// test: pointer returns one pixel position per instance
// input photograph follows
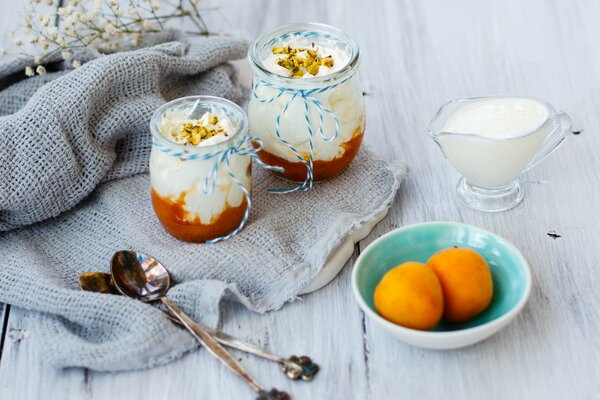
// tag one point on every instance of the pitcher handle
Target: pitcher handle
(554, 139)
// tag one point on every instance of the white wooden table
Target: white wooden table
(416, 55)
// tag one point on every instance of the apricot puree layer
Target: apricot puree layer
(175, 219)
(296, 171)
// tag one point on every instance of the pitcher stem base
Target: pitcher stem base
(490, 200)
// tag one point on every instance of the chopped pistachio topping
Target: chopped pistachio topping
(195, 131)
(300, 60)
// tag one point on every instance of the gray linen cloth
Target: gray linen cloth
(82, 140)
(58, 132)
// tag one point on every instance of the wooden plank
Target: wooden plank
(23, 374)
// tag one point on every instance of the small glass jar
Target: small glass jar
(194, 190)
(312, 127)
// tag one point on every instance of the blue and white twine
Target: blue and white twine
(308, 97)
(244, 147)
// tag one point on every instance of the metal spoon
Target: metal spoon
(294, 367)
(141, 277)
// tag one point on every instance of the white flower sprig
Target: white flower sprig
(104, 25)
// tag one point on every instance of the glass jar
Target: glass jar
(312, 127)
(201, 193)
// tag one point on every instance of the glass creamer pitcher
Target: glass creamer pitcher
(491, 154)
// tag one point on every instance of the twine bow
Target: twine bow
(307, 96)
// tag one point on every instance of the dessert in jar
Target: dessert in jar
(492, 140)
(307, 104)
(200, 168)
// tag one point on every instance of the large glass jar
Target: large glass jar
(311, 126)
(201, 193)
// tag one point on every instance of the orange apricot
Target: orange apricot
(410, 295)
(466, 282)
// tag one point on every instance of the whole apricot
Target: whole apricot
(410, 295)
(466, 282)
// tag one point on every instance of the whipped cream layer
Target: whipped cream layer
(173, 177)
(345, 101)
(173, 121)
(339, 56)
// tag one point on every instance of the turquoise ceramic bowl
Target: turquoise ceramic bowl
(510, 273)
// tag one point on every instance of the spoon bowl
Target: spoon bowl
(139, 276)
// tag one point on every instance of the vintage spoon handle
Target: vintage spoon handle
(294, 367)
(214, 347)
(231, 341)
(246, 347)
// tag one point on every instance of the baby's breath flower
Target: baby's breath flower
(50, 31)
(97, 6)
(44, 19)
(69, 21)
(110, 29)
(148, 26)
(92, 14)
(27, 22)
(96, 24)
(135, 41)
(116, 10)
(60, 40)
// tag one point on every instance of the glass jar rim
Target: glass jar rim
(291, 30)
(232, 109)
